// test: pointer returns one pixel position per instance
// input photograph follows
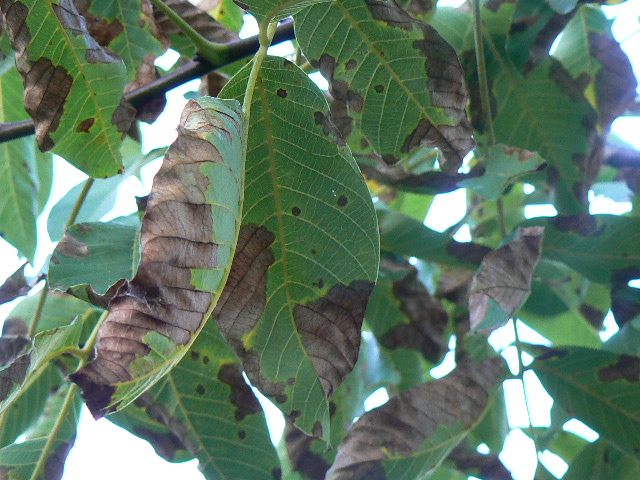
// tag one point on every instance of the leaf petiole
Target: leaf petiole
(216, 53)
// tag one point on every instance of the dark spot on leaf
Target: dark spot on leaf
(294, 414)
(291, 381)
(332, 408)
(313, 251)
(339, 88)
(303, 459)
(165, 445)
(319, 283)
(467, 252)
(200, 390)
(242, 396)
(627, 367)
(379, 88)
(85, 125)
(342, 201)
(295, 211)
(594, 316)
(585, 225)
(277, 474)
(205, 360)
(195, 355)
(351, 64)
(124, 116)
(553, 354)
(54, 467)
(391, 14)
(328, 128)
(282, 93)
(288, 63)
(242, 434)
(70, 247)
(281, 398)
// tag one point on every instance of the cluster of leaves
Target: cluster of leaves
(261, 251)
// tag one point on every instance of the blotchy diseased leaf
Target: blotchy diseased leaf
(599, 388)
(308, 250)
(72, 85)
(15, 286)
(594, 59)
(503, 282)
(413, 432)
(204, 409)
(274, 10)
(401, 80)
(124, 26)
(187, 242)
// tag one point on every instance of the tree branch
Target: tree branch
(192, 70)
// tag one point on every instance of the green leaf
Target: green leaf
(603, 248)
(48, 442)
(25, 412)
(73, 86)
(17, 377)
(91, 257)
(600, 460)
(402, 234)
(204, 409)
(407, 437)
(59, 310)
(102, 194)
(124, 26)
(593, 57)
(44, 168)
(316, 246)
(597, 387)
(503, 165)
(18, 174)
(389, 68)
(229, 14)
(188, 239)
(274, 10)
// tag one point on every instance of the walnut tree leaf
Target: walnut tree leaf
(308, 252)
(401, 80)
(414, 431)
(72, 86)
(503, 282)
(188, 238)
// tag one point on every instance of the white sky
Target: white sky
(104, 451)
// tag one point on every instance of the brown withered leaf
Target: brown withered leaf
(423, 423)
(15, 286)
(186, 236)
(503, 282)
(197, 18)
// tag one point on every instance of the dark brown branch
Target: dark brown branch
(192, 70)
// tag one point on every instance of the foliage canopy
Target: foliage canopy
(283, 241)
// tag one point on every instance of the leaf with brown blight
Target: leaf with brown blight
(503, 282)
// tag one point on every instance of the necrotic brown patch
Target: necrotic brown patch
(282, 93)
(176, 237)
(330, 331)
(241, 396)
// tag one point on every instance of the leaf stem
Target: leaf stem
(485, 103)
(266, 35)
(214, 52)
(79, 202)
(44, 293)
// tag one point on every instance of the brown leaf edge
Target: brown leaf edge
(176, 237)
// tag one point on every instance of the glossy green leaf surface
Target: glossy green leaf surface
(317, 248)
(400, 79)
(597, 387)
(73, 86)
(602, 460)
(204, 409)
